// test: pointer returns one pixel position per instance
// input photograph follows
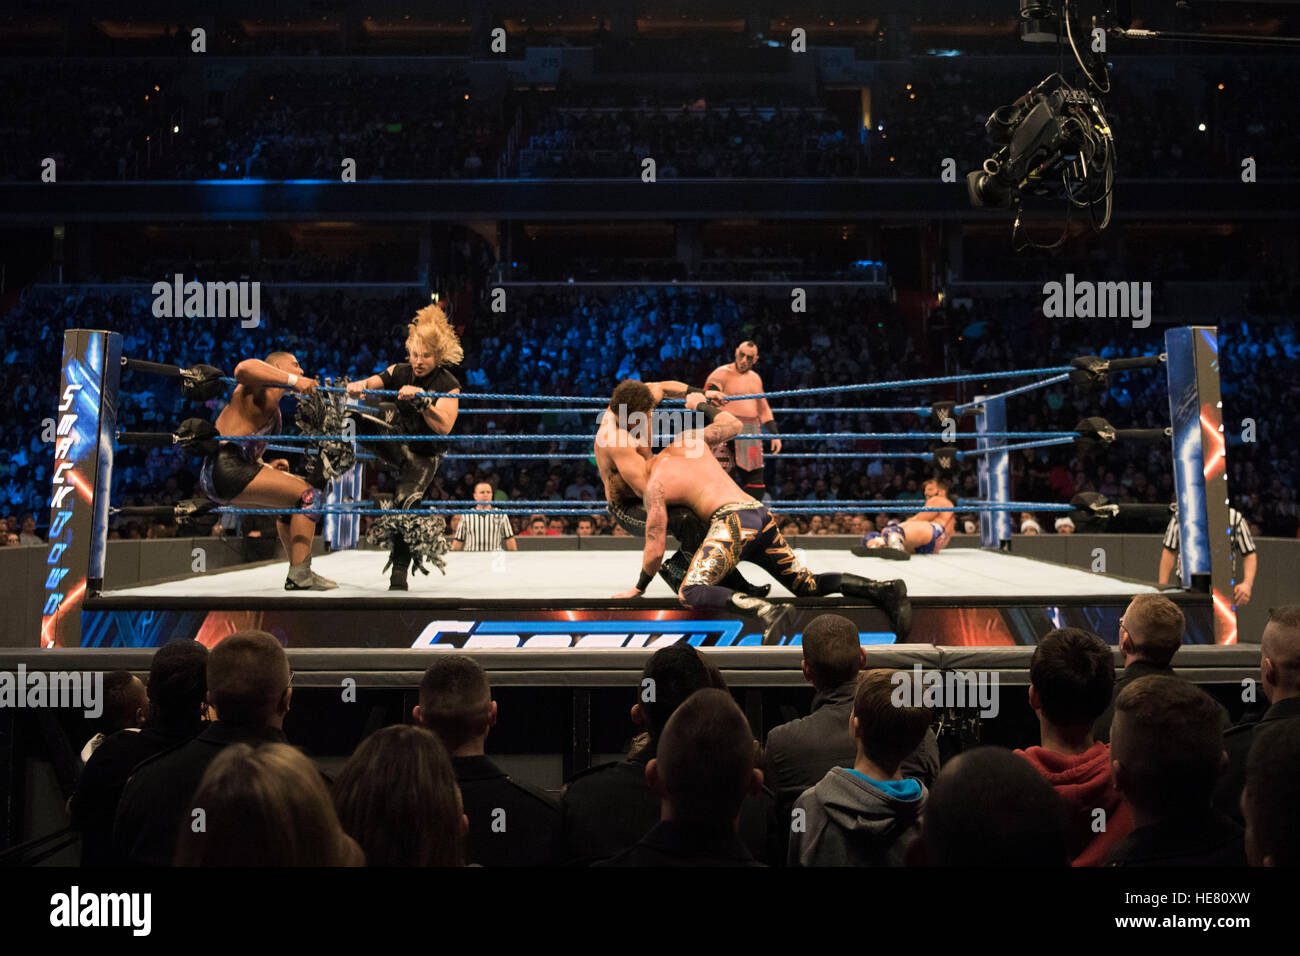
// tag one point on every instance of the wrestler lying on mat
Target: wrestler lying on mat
(625, 454)
(740, 529)
(235, 473)
(926, 532)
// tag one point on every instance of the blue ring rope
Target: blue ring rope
(793, 436)
(577, 510)
(825, 390)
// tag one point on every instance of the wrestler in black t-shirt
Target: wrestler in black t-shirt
(415, 462)
(409, 412)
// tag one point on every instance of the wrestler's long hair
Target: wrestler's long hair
(431, 329)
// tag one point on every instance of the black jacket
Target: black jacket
(1205, 839)
(94, 805)
(801, 752)
(608, 808)
(1101, 728)
(670, 843)
(1237, 741)
(510, 823)
(154, 804)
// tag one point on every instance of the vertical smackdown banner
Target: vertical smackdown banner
(1200, 470)
(83, 463)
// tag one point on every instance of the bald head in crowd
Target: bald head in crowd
(1166, 748)
(456, 704)
(248, 679)
(1280, 653)
(704, 767)
(1152, 629)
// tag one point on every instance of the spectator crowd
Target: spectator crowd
(1142, 770)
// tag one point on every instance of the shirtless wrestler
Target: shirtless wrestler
(740, 529)
(926, 532)
(755, 414)
(235, 473)
(626, 454)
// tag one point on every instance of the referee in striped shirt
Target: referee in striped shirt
(1243, 548)
(484, 529)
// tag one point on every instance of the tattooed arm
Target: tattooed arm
(656, 527)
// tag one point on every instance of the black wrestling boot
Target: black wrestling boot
(889, 596)
(401, 561)
(368, 425)
(673, 571)
(770, 614)
(738, 582)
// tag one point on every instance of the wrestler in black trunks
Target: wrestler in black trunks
(228, 470)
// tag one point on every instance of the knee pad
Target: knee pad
(313, 500)
(871, 536)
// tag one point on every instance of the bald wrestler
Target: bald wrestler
(622, 449)
(926, 532)
(740, 529)
(739, 378)
(235, 473)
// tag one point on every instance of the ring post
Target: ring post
(83, 466)
(343, 530)
(1200, 456)
(994, 471)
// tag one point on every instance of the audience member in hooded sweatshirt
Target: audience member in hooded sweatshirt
(865, 815)
(1070, 680)
(800, 752)
(1166, 756)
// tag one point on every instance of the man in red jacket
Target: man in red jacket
(1071, 677)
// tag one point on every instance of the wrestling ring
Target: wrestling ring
(553, 595)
